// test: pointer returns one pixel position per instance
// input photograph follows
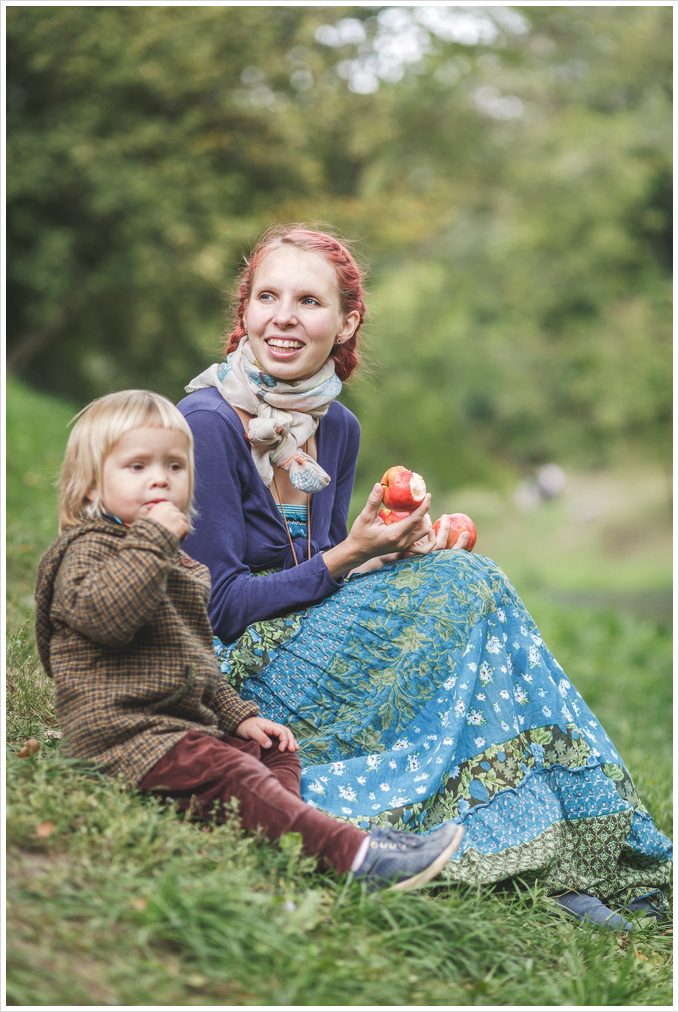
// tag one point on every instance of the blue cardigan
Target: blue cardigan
(238, 529)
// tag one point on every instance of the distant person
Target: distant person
(415, 680)
(122, 627)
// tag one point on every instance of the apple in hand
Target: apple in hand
(402, 489)
(459, 522)
(388, 516)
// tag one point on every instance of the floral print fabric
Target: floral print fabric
(424, 692)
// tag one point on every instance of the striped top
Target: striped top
(297, 517)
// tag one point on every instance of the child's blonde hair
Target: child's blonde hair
(97, 429)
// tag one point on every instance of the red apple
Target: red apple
(402, 489)
(391, 516)
(459, 522)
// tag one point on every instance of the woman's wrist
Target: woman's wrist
(340, 560)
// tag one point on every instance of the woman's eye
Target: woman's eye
(309, 300)
(265, 296)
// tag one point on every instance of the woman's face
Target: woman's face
(293, 316)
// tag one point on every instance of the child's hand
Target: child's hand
(168, 515)
(259, 729)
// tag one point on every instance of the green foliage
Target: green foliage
(510, 189)
(38, 430)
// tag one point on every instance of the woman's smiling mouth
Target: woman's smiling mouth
(284, 344)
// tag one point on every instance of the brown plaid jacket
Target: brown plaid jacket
(122, 627)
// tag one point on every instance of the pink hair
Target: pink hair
(349, 281)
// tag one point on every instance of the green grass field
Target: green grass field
(112, 900)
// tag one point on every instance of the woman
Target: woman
(413, 676)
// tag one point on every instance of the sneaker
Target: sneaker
(400, 860)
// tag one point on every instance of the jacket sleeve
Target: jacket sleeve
(109, 591)
(230, 708)
(240, 597)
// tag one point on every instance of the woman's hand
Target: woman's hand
(442, 536)
(426, 543)
(379, 562)
(259, 729)
(370, 538)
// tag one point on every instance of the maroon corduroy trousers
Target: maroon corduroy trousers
(202, 774)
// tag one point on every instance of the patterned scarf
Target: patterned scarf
(286, 415)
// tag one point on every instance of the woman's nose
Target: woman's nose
(285, 311)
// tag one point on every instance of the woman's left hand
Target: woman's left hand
(442, 535)
(259, 729)
(427, 543)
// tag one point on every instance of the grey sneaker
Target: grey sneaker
(400, 860)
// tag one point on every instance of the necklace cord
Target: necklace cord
(287, 526)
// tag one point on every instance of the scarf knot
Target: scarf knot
(285, 415)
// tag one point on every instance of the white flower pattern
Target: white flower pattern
(491, 670)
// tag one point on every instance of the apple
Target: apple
(388, 516)
(459, 522)
(402, 489)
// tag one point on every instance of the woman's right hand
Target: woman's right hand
(370, 538)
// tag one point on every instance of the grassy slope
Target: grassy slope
(112, 900)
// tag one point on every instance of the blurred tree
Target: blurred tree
(506, 171)
(142, 141)
(537, 321)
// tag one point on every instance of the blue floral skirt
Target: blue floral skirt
(422, 693)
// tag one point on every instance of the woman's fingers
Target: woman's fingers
(462, 540)
(417, 523)
(444, 530)
(422, 511)
(371, 538)
(425, 544)
(372, 507)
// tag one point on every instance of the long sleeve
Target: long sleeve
(229, 708)
(108, 596)
(238, 533)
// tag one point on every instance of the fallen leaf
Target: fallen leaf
(196, 980)
(29, 748)
(44, 829)
(139, 903)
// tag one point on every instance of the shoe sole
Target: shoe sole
(424, 876)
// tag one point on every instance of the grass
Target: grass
(113, 900)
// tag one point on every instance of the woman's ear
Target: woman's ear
(349, 327)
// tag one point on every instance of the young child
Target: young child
(122, 626)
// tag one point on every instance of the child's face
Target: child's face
(146, 465)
